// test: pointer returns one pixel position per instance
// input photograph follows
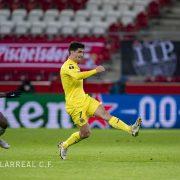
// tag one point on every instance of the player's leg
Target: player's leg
(112, 120)
(3, 126)
(116, 122)
(80, 119)
(97, 109)
(84, 132)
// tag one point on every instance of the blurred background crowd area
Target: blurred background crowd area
(138, 42)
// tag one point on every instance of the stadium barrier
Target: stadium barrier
(48, 110)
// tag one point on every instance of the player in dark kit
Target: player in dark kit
(3, 120)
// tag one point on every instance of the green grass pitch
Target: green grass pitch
(107, 154)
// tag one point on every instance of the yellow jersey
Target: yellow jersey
(72, 82)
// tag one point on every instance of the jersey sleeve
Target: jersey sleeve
(75, 73)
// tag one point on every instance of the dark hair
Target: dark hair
(75, 45)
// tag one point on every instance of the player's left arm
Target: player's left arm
(11, 94)
(82, 75)
(85, 74)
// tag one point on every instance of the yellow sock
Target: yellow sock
(118, 124)
(74, 138)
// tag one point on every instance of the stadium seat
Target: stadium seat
(139, 6)
(7, 38)
(61, 4)
(130, 28)
(4, 14)
(116, 27)
(160, 78)
(51, 15)
(18, 15)
(99, 28)
(81, 15)
(37, 28)
(2, 4)
(52, 28)
(153, 9)
(15, 4)
(142, 20)
(112, 16)
(22, 27)
(84, 28)
(66, 15)
(76, 4)
(68, 28)
(108, 5)
(165, 2)
(47, 5)
(124, 5)
(107, 11)
(31, 4)
(93, 5)
(97, 16)
(35, 15)
(175, 79)
(128, 17)
(6, 27)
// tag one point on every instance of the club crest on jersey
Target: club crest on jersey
(82, 120)
(71, 66)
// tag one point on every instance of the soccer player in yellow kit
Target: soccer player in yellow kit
(81, 106)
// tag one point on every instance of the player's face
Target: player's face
(79, 54)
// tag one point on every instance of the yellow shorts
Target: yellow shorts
(81, 114)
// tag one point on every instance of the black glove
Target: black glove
(13, 94)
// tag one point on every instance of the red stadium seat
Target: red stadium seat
(160, 78)
(31, 4)
(165, 2)
(141, 20)
(153, 9)
(3, 4)
(116, 27)
(130, 28)
(47, 4)
(61, 4)
(76, 4)
(175, 79)
(16, 4)
(8, 38)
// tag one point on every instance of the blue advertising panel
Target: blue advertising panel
(157, 111)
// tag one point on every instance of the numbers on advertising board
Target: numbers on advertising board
(165, 111)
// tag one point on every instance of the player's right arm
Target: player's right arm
(85, 74)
